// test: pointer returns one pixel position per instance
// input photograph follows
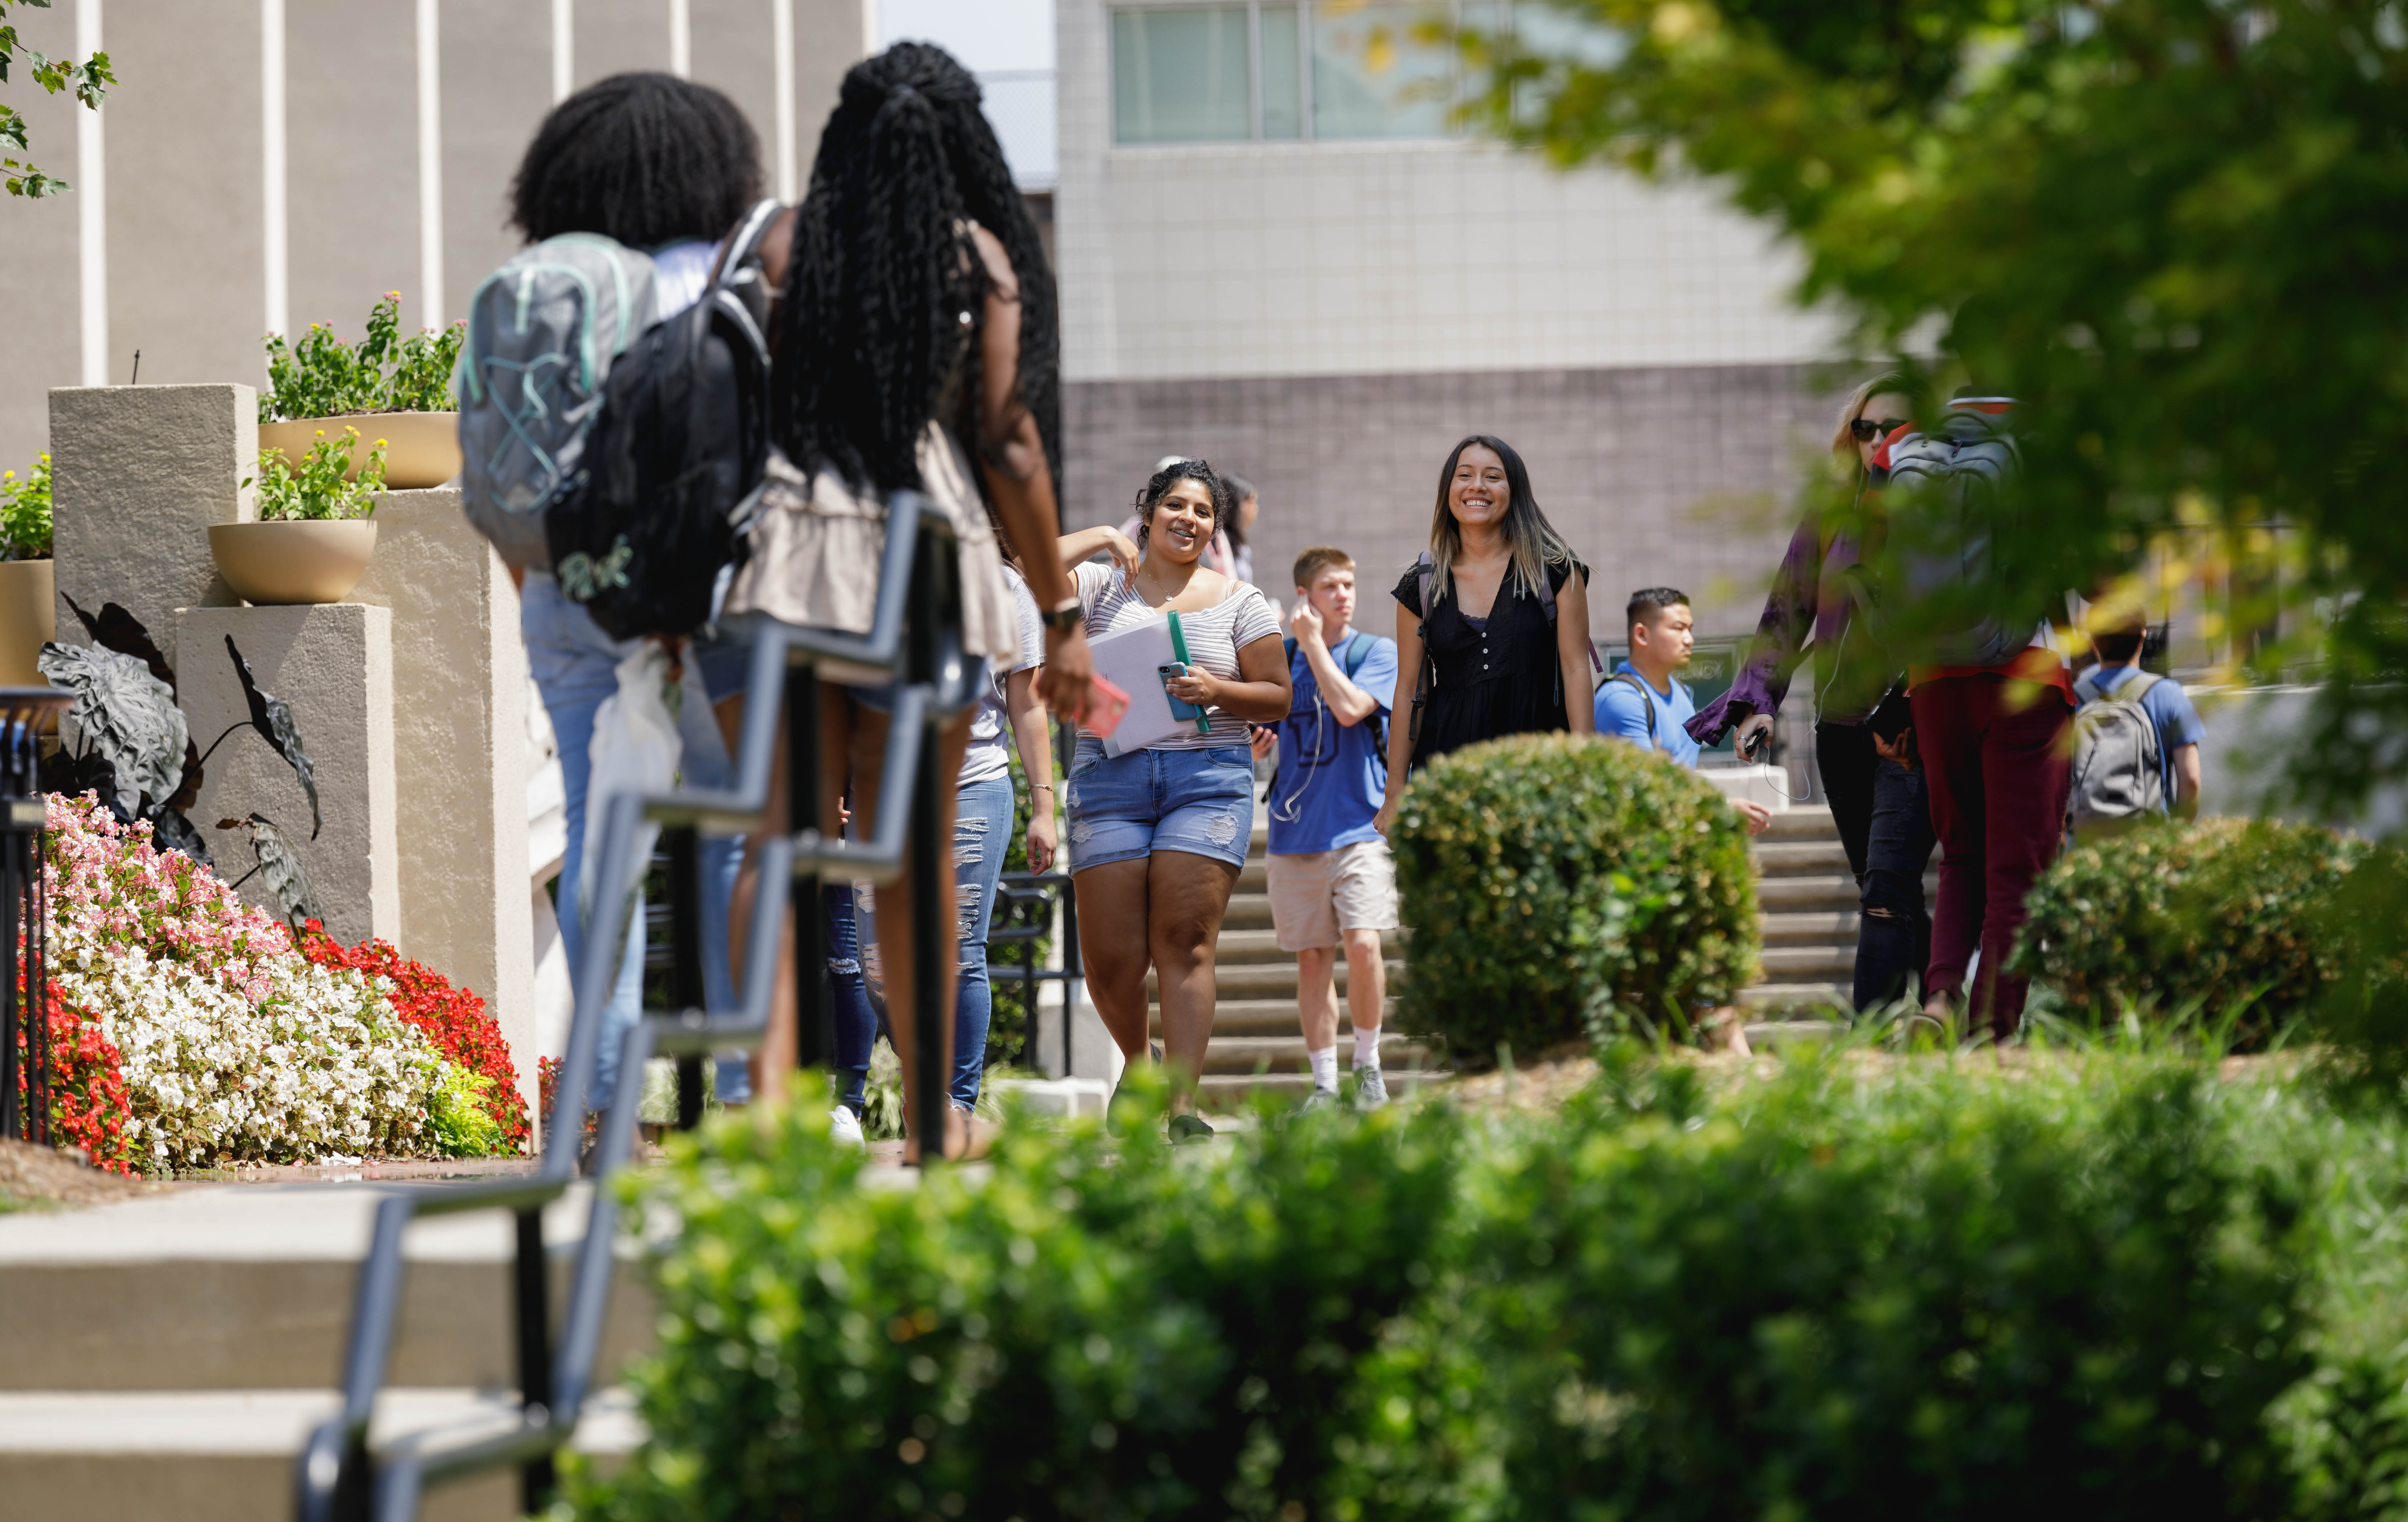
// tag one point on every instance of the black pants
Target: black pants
(1884, 814)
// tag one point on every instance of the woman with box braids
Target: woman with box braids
(914, 348)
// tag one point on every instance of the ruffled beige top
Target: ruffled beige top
(816, 546)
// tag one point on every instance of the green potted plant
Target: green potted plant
(400, 389)
(28, 599)
(315, 531)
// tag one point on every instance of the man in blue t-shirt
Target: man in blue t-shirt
(2169, 708)
(1330, 878)
(1644, 703)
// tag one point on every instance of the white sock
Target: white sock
(1366, 1047)
(1324, 1067)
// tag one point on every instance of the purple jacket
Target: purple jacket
(1813, 601)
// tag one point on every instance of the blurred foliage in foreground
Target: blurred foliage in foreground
(2171, 227)
(2091, 1286)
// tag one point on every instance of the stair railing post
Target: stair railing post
(686, 995)
(930, 862)
(533, 1296)
(814, 1010)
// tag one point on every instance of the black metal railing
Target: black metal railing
(1027, 906)
(915, 637)
(24, 917)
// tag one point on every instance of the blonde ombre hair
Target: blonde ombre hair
(1843, 440)
(1534, 541)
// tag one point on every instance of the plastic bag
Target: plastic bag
(635, 750)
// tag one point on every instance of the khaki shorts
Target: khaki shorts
(1315, 895)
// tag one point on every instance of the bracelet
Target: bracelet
(1041, 788)
(1064, 617)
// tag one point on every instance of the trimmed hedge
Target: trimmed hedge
(1559, 888)
(2117, 1288)
(2215, 915)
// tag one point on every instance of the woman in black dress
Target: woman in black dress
(1497, 665)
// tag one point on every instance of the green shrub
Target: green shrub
(1099, 1326)
(2115, 1287)
(324, 376)
(1936, 1295)
(25, 511)
(2211, 916)
(1558, 886)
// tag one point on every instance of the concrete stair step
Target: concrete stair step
(1804, 994)
(1813, 892)
(1285, 1054)
(1217, 1093)
(1269, 980)
(1233, 1017)
(1802, 858)
(248, 1286)
(227, 1456)
(1810, 823)
(1820, 926)
(1800, 963)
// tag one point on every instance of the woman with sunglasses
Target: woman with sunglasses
(1863, 743)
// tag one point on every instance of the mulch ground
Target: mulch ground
(32, 1176)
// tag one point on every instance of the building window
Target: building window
(1261, 72)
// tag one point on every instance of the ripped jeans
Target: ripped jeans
(1894, 928)
(983, 820)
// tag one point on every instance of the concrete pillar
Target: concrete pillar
(334, 665)
(139, 473)
(460, 758)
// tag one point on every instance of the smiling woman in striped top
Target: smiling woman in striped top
(1157, 835)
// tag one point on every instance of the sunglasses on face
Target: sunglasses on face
(1867, 430)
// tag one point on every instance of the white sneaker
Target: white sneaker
(1371, 1089)
(845, 1127)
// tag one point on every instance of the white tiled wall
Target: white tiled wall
(1354, 258)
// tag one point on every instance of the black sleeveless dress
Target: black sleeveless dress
(1497, 677)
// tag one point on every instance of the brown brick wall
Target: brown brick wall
(1675, 476)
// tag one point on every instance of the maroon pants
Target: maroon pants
(1993, 753)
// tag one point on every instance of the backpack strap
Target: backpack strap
(744, 244)
(1424, 573)
(1644, 695)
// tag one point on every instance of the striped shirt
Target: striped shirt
(1214, 635)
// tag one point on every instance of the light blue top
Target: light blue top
(2169, 708)
(1332, 777)
(1622, 710)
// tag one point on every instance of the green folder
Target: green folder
(1178, 648)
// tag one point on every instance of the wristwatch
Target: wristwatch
(1066, 616)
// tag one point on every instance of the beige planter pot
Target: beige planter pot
(422, 449)
(29, 615)
(284, 562)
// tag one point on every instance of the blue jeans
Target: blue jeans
(575, 667)
(1123, 807)
(856, 1023)
(981, 837)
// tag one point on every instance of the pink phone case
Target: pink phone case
(1107, 705)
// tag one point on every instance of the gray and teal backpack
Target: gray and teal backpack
(542, 332)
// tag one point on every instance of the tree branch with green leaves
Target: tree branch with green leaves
(90, 80)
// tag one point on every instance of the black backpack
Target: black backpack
(673, 469)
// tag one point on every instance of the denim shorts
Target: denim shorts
(1126, 807)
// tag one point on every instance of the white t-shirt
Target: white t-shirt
(1214, 635)
(680, 274)
(989, 756)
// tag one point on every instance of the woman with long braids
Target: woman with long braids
(1159, 835)
(1476, 636)
(916, 348)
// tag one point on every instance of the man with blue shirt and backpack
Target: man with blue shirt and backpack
(1644, 703)
(1330, 877)
(2135, 737)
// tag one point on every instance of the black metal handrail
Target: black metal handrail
(915, 637)
(1023, 915)
(24, 916)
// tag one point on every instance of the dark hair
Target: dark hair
(2120, 647)
(1240, 489)
(646, 159)
(886, 291)
(1647, 602)
(1533, 540)
(1224, 505)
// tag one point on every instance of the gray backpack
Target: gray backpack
(1958, 466)
(542, 332)
(2117, 763)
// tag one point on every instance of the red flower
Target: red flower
(453, 1018)
(89, 1103)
